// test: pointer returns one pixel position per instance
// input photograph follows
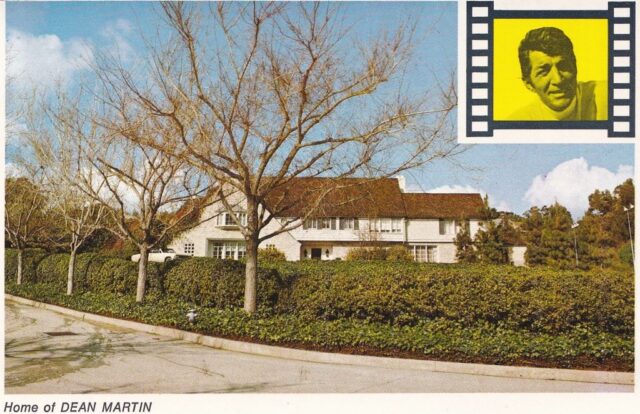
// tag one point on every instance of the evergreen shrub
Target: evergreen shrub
(218, 283)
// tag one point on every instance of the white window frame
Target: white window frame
(231, 249)
(225, 219)
(424, 253)
(445, 227)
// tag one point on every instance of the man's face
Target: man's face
(553, 79)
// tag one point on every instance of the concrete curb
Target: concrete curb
(604, 377)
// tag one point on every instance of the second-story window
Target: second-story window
(446, 227)
(226, 219)
(349, 224)
(386, 225)
(320, 223)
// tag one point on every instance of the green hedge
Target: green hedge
(218, 283)
(30, 260)
(441, 338)
(404, 293)
(93, 272)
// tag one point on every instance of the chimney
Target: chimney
(402, 183)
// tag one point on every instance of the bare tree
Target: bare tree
(256, 94)
(139, 188)
(25, 222)
(58, 160)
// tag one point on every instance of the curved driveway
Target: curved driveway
(46, 352)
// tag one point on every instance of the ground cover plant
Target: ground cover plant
(492, 314)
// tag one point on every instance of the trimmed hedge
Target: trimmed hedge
(30, 260)
(438, 338)
(537, 299)
(218, 283)
(93, 272)
(398, 293)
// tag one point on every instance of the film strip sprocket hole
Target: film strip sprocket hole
(606, 102)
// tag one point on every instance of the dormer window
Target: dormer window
(225, 219)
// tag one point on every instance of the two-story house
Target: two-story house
(356, 212)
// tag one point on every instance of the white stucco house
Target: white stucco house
(356, 213)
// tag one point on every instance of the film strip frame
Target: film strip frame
(621, 69)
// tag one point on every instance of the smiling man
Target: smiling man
(549, 70)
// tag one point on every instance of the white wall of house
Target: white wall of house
(198, 241)
(516, 255)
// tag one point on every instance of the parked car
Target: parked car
(158, 255)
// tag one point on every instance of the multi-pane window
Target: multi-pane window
(189, 248)
(226, 219)
(446, 226)
(228, 250)
(386, 225)
(349, 224)
(320, 223)
(424, 253)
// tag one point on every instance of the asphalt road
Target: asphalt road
(46, 352)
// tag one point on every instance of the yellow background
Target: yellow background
(590, 45)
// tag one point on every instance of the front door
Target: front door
(316, 254)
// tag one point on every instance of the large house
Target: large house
(340, 215)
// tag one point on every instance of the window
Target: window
(349, 224)
(386, 225)
(226, 219)
(446, 227)
(228, 250)
(423, 253)
(320, 223)
(189, 248)
(396, 226)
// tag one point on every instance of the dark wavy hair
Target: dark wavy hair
(549, 40)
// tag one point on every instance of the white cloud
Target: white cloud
(13, 171)
(571, 182)
(43, 60)
(116, 33)
(499, 205)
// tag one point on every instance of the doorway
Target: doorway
(316, 254)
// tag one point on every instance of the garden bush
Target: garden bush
(53, 269)
(218, 283)
(403, 293)
(30, 260)
(271, 254)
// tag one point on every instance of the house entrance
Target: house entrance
(316, 254)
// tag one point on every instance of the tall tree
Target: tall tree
(25, 216)
(549, 236)
(137, 187)
(255, 94)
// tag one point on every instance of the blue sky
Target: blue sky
(50, 40)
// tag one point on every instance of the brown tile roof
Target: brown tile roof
(442, 205)
(363, 197)
(344, 197)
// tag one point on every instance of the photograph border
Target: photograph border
(620, 122)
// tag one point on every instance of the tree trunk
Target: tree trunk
(19, 275)
(251, 276)
(142, 272)
(251, 267)
(71, 271)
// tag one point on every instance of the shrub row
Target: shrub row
(93, 272)
(402, 294)
(441, 338)
(218, 283)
